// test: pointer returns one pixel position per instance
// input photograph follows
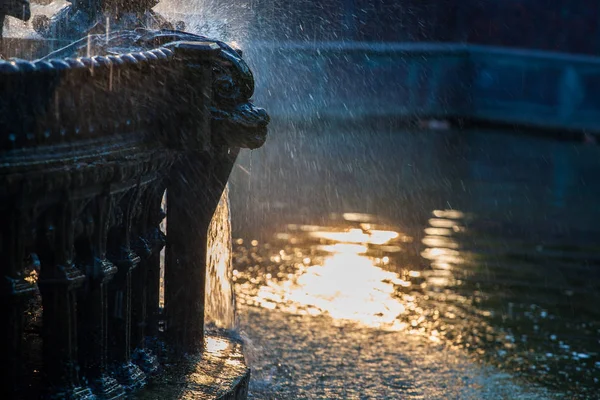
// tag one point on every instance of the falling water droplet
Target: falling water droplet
(107, 29)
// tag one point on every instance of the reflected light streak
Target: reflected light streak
(439, 242)
(439, 231)
(439, 254)
(441, 249)
(450, 214)
(358, 217)
(377, 237)
(442, 223)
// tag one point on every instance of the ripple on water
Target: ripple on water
(459, 289)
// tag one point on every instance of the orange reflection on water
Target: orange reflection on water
(348, 286)
(441, 247)
(345, 283)
(358, 236)
(352, 273)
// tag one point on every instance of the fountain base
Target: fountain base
(219, 373)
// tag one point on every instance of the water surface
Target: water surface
(405, 249)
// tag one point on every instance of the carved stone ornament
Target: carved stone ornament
(238, 122)
(88, 146)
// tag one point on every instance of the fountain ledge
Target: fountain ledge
(82, 194)
(219, 373)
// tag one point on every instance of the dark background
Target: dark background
(555, 25)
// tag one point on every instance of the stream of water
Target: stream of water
(220, 300)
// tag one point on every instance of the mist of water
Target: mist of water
(212, 18)
(227, 21)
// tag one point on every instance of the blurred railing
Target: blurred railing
(530, 88)
(570, 26)
(88, 147)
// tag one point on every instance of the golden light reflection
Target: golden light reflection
(442, 255)
(349, 286)
(221, 362)
(450, 214)
(442, 248)
(442, 223)
(344, 248)
(438, 231)
(345, 284)
(32, 277)
(377, 237)
(353, 274)
(434, 242)
(216, 345)
(358, 217)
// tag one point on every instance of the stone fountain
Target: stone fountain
(92, 135)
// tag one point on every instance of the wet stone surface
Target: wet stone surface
(219, 373)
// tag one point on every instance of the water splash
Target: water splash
(212, 18)
(220, 300)
(226, 21)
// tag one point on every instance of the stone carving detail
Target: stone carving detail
(239, 122)
(59, 281)
(93, 302)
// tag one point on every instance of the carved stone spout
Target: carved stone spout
(237, 120)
